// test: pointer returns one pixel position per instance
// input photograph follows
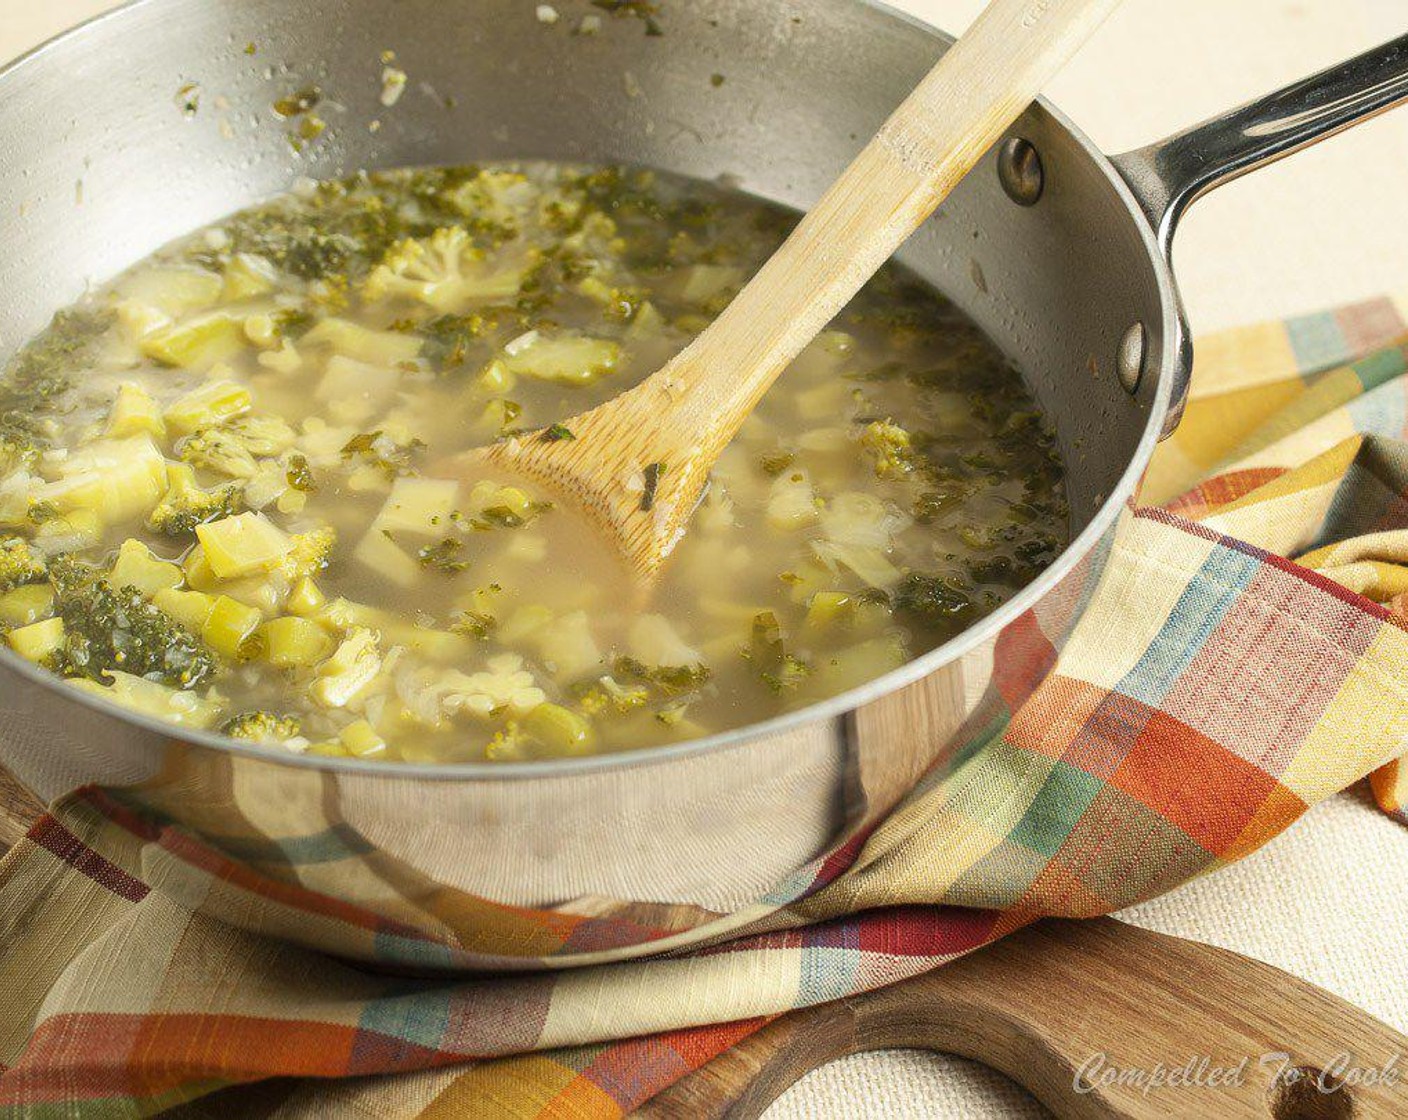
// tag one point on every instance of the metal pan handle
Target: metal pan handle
(1167, 177)
(1170, 175)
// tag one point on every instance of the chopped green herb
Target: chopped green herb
(652, 483)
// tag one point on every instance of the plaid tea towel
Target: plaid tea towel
(1242, 654)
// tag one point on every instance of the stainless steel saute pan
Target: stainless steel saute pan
(1058, 251)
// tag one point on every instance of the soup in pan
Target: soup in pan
(228, 498)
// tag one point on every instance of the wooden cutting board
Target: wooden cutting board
(1095, 1018)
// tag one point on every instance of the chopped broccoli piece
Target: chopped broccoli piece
(299, 474)
(606, 695)
(775, 462)
(765, 648)
(474, 624)
(930, 599)
(186, 505)
(890, 446)
(669, 680)
(108, 629)
(379, 450)
(556, 433)
(311, 553)
(36, 379)
(652, 474)
(319, 239)
(19, 564)
(220, 451)
(788, 675)
(448, 337)
(444, 556)
(776, 668)
(262, 727)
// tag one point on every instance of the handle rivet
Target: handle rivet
(1020, 172)
(1129, 362)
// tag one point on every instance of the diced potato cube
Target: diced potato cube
(305, 598)
(229, 627)
(653, 640)
(243, 545)
(115, 479)
(418, 505)
(701, 284)
(345, 377)
(361, 740)
(386, 348)
(137, 566)
(197, 344)
(827, 608)
(570, 360)
(135, 413)
(568, 646)
(559, 730)
(648, 323)
(191, 609)
(387, 559)
(28, 604)
(210, 404)
(822, 402)
(139, 319)
(291, 642)
(792, 501)
(69, 532)
(139, 694)
(38, 641)
(495, 378)
(174, 289)
(247, 276)
(199, 573)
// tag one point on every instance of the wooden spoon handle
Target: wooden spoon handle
(1233, 1037)
(932, 140)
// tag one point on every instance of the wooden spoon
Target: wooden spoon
(637, 465)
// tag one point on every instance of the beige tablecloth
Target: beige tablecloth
(1323, 900)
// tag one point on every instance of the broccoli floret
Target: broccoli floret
(19, 564)
(890, 446)
(220, 451)
(310, 554)
(110, 629)
(503, 686)
(439, 271)
(606, 695)
(930, 599)
(186, 505)
(262, 727)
